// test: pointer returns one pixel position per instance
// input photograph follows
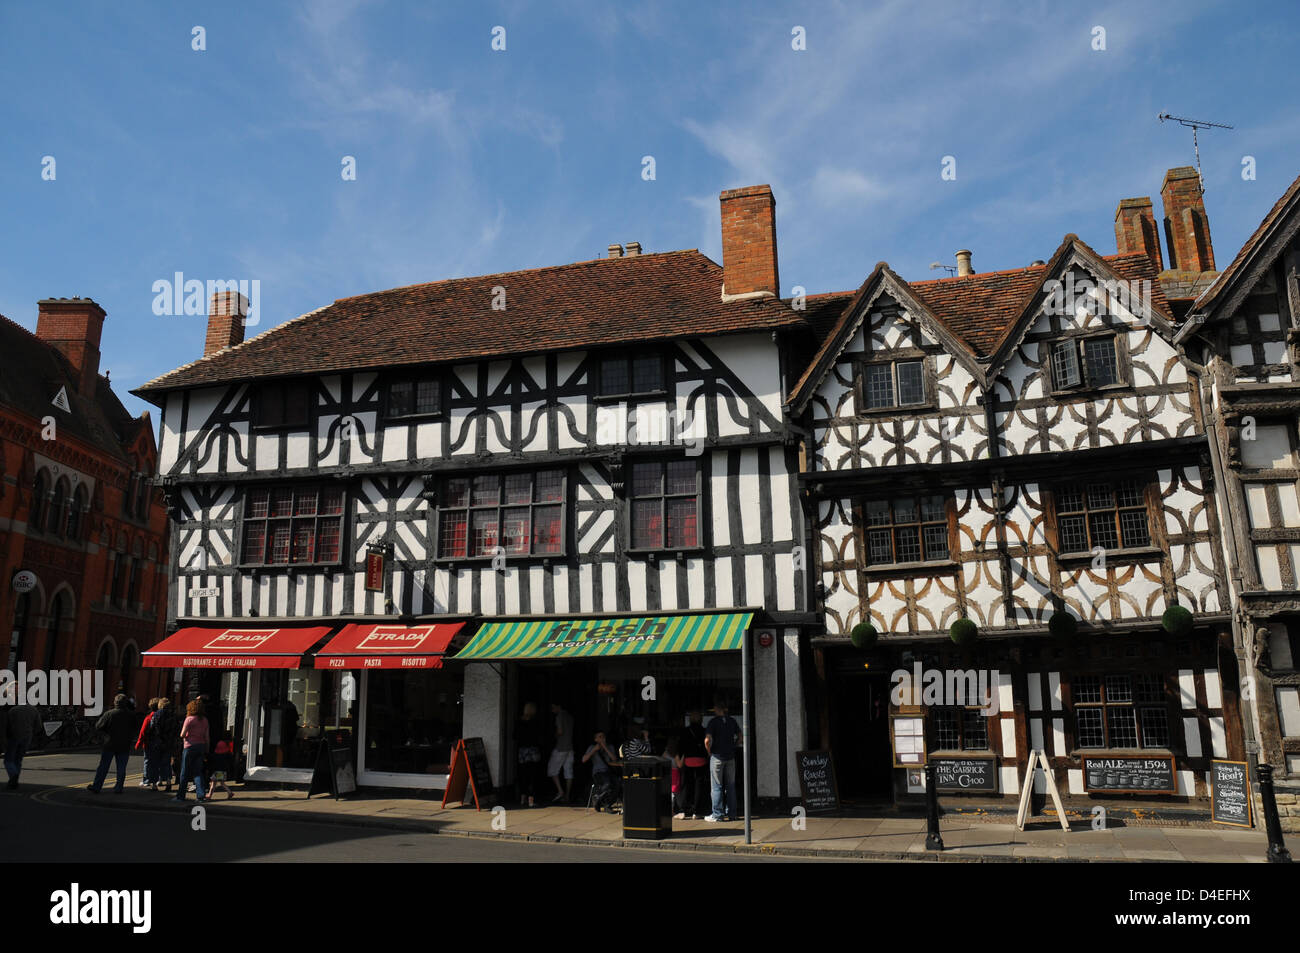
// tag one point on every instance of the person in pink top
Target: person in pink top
(194, 733)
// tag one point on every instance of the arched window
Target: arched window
(133, 587)
(107, 655)
(119, 577)
(75, 513)
(39, 490)
(142, 498)
(58, 612)
(54, 523)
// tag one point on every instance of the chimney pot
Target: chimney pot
(226, 313)
(633, 249)
(963, 263)
(615, 251)
(749, 264)
(1135, 230)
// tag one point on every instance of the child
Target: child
(222, 763)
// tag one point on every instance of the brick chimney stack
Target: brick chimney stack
(1187, 230)
(749, 267)
(73, 326)
(1135, 230)
(226, 313)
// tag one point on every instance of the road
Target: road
(35, 826)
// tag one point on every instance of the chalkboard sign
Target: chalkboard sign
(335, 773)
(469, 774)
(1230, 793)
(1153, 775)
(965, 774)
(817, 782)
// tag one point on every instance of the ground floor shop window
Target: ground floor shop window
(297, 708)
(958, 729)
(1120, 711)
(412, 720)
(680, 685)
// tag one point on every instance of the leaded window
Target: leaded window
(294, 525)
(1109, 515)
(521, 513)
(415, 396)
(624, 374)
(1120, 711)
(664, 503)
(894, 384)
(1085, 362)
(907, 529)
(959, 729)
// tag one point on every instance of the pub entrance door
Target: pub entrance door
(859, 729)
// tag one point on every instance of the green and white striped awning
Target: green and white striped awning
(582, 638)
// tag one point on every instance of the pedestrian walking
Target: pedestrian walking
(194, 736)
(721, 737)
(21, 731)
(165, 732)
(528, 738)
(118, 726)
(561, 761)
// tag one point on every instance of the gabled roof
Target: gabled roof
(32, 372)
(1278, 227)
(982, 316)
(641, 298)
(882, 280)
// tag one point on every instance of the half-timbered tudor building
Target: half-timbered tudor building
(572, 461)
(82, 527)
(1244, 330)
(1024, 450)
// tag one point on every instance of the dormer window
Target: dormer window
(1087, 363)
(888, 385)
(630, 374)
(282, 405)
(413, 396)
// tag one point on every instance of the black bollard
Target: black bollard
(1277, 852)
(933, 841)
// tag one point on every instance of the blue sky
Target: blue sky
(226, 163)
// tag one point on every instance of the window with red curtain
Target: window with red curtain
(296, 525)
(664, 499)
(520, 512)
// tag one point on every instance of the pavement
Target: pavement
(966, 837)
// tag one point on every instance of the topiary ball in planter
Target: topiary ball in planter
(1177, 620)
(1062, 625)
(963, 631)
(863, 635)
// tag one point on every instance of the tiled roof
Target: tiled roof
(1212, 294)
(979, 310)
(31, 374)
(648, 297)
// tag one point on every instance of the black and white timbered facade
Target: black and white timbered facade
(1012, 449)
(1245, 330)
(596, 440)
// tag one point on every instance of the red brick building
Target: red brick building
(78, 508)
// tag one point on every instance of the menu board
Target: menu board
(1153, 775)
(335, 773)
(965, 774)
(908, 739)
(470, 774)
(817, 781)
(479, 771)
(1230, 793)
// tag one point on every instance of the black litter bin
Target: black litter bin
(647, 798)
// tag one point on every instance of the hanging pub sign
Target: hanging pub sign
(469, 771)
(374, 569)
(334, 772)
(1230, 793)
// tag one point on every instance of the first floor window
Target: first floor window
(282, 404)
(1120, 711)
(413, 397)
(664, 497)
(522, 513)
(627, 375)
(1109, 515)
(907, 529)
(293, 525)
(959, 729)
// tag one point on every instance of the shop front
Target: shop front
(1123, 717)
(623, 676)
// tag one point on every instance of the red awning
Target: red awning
(221, 647)
(388, 646)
